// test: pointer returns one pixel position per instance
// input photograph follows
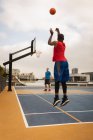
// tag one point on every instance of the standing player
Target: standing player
(61, 70)
(47, 80)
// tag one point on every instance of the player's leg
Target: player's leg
(65, 99)
(49, 85)
(64, 78)
(56, 98)
(45, 85)
(57, 83)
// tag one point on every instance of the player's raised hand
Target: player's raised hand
(57, 30)
(51, 31)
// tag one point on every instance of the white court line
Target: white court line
(24, 119)
(66, 113)
(63, 124)
(81, 111)
(27, 94)
(42, 113)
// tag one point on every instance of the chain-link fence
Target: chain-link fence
(2, 83)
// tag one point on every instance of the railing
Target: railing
(2, 83)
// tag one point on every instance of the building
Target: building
(77, 77)
(15, 72)
(91, 75)
(27, 76)
(21, 76)
(75, 71)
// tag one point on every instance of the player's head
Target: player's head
(47, 69)
(60, 37)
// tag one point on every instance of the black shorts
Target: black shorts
(47, 81)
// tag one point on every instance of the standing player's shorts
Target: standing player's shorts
(47, 81)
(61, 71)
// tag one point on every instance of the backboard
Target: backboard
(33, 46)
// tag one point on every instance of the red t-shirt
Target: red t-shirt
(59, 50)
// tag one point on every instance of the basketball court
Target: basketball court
(38, 111)
(27, 113)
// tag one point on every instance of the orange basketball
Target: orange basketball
(52, 11)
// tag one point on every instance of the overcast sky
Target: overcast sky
(22, 20)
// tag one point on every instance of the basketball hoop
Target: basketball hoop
(38, 54)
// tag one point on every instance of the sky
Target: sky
(23, 20)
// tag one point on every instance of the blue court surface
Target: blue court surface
(38, 111)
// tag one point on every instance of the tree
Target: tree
(2, 72)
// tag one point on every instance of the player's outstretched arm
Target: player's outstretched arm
(57, 30)
(50, 42)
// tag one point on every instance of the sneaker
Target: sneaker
(45, 89)
(56, 101)
(64, 101)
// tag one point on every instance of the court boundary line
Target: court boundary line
(84, 111)
(22, 112)
(63, 124)
(81, 111)
(43, 113)
(28, 94)
(71, 116)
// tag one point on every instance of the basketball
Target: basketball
(52, 11)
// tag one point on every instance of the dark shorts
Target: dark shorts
(47, 81)
(61, 71)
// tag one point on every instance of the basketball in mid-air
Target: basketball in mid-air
(52, 11)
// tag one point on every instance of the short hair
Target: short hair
(47, 68)
(60, 37)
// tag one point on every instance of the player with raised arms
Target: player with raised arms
(61, 68)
